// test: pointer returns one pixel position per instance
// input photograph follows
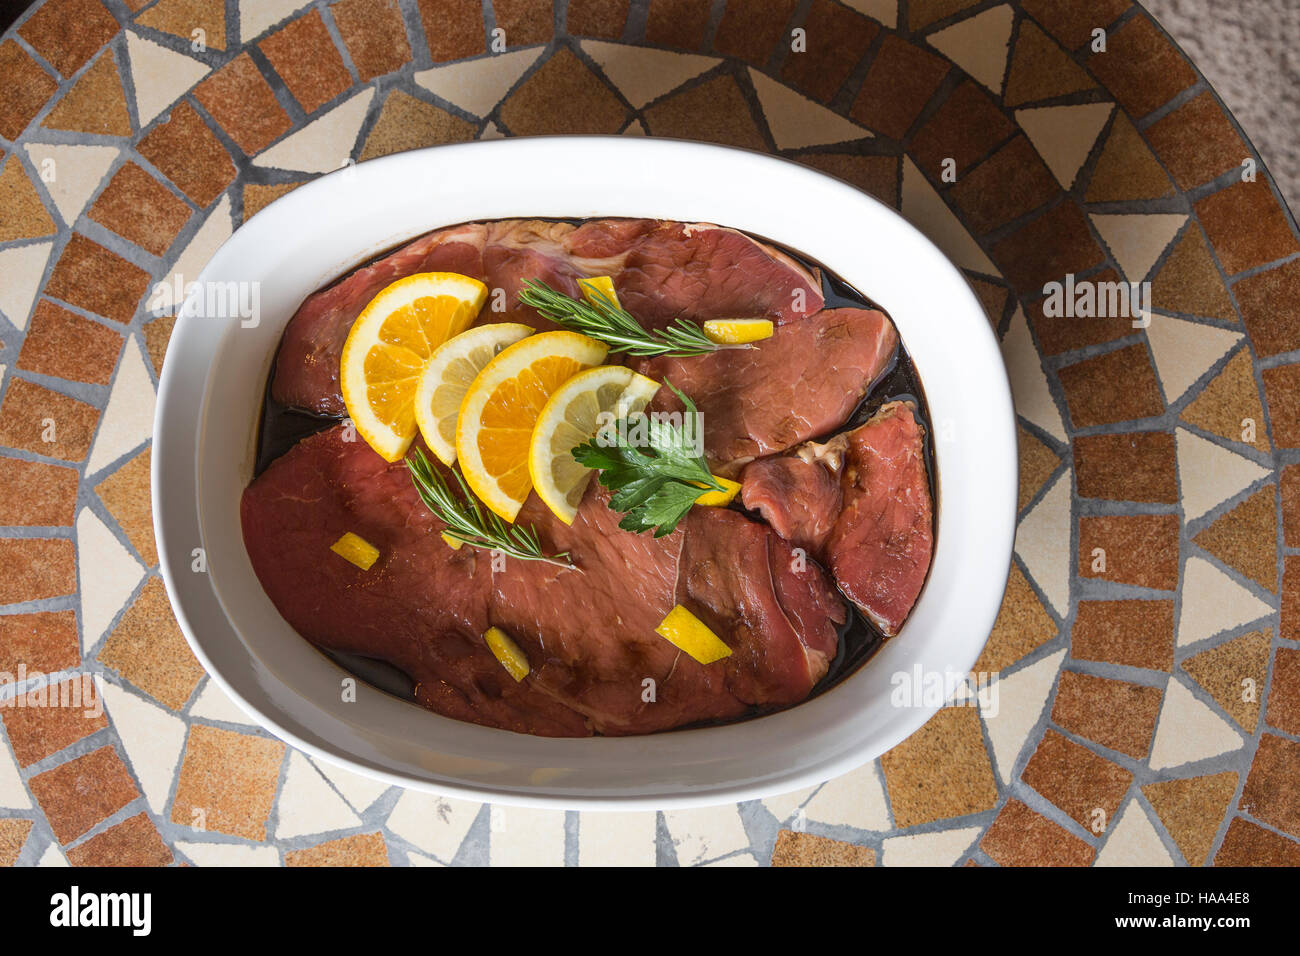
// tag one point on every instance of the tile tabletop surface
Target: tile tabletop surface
(1149, 644)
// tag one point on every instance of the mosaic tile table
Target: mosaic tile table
(1149, 706)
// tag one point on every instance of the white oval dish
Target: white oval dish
(208, 411)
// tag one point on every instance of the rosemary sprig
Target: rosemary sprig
(604, 319)
(468, 522)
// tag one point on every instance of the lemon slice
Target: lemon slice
(597, 288)
(447, 377)
(387, 349)
(687, 632)
(570, 418)
(495, 426)
(737, 331)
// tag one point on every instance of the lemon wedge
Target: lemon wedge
(447, 377)
(571, 417)
(687, 632)
(510, 654)
(388, 346)
(720, 499)
(495, 426)
(597, 288)
(737, 331)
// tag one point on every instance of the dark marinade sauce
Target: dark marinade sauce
(283, 427)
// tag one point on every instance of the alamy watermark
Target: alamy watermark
(77, 691)
(208, 300)
(1098, 300)
(925, 688)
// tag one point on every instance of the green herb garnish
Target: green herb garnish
(604, 319)
(654, 488)
(467, 521)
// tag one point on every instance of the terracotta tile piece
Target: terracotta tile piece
(22, 214)
(1272, 793)
(1141, 68)
(148, 649)
(900, 81)
(1048, 248)
(1134, 633)
(133, 842)
(563, 96)
(1248, 844)
(256, 198)
(1282, 393)
(227, 782)
(363, 849)
(69, 32)
(1234, 674)
(1127, 169)
(679, 23)
(45, 641)
(992, 297)
(941, 771)
(1007, 185)
(965, 128)
(56, 716)
(27, 88)
(36, 568)
(1072, 21)
(1270, 307)
(1037, 464)
(838, 39)
(78, 794)
(877, 175)
(408, 123)
(1284, 694)
(304, 55)
(1021, 837)
(1057, 334)
(597, 18)
(921, 13)
(95, 104)
(239, 98)
(1197, 142)
(1190, 282)
(139, 208)
(375, 35)
(63, 344)
(1115, 387)
(751, 29)
(1290, 618)
(13, 837)
(1245, 538)
(32, 413)
(36, 495)
(189, 154)
(526, 22)
(453, 28)
(1136, 466)
(1246, 226)
(97, 280)
(1141, 550)
(1230, 404)
(1077, 780)
(1041, 70)
(807, 849)
(1191, 809)
(181, 18)
(1113, 713)
(714, 111)
(156, 336)
(1021, 627)
(126, 495)
(1290, 483)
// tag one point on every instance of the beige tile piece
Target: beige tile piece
(1184, 351)
(228, 854)
(213, 703)
(23, 267)
(52, 857)
(1210, 474)
(71, 174)
(307, 804)
(1064, 135)
(1021, 698)
(617, 839)
(1029, 390)
(1134, 841)
(1213, 602)
(161, 76)
(361, 792)
(525, 836)
(1136, 241)
(13, 795)
(419, 859)
(258, 16)
(643, 74)
(323, 145)
(153, 740)
(1042, 542)
(856, 799)
(127, 422)
(926, 209)
(478, 85)
(882, 11)
(706, 833)
(944, 848)
(204, 244)
(795, 121)
(437, 825)
(739, 859)
(1188, 731)
(979, 45)
(782, 805)
(108, 575)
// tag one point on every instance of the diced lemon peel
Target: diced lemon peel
(688, 633)
(597, 288)
(510, 654)
(356, 549)
(737, 331)
(454, 543)
(720, 499)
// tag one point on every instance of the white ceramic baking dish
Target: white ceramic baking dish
(208, 411)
